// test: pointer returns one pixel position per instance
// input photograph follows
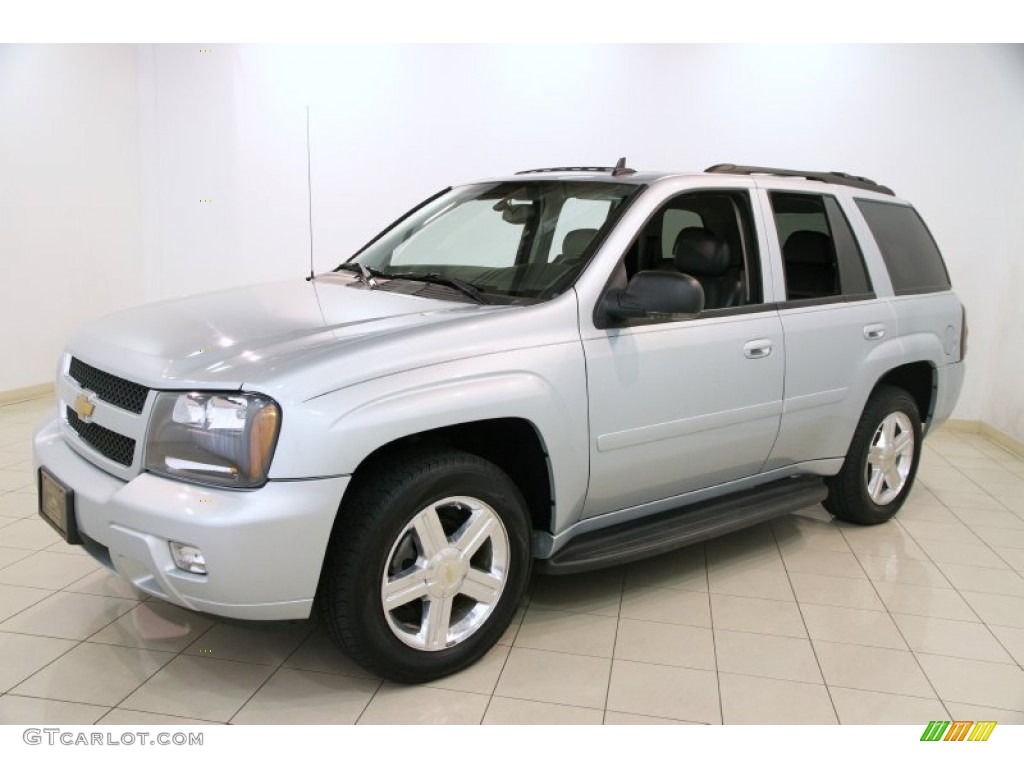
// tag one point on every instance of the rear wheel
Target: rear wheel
(880, 467)
(427, 565)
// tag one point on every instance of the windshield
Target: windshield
(525, 240)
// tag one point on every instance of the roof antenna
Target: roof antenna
(309, 191)
(620, 168)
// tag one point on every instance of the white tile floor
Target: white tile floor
(799, 621)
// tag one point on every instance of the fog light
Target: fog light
(188, 558)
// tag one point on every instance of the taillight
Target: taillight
(963, 332)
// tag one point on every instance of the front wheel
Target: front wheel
(879, 469)
(426, 566)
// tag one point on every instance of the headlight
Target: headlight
(217, 438)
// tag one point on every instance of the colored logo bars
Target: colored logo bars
(959, 730)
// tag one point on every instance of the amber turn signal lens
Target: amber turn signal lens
(262, 436)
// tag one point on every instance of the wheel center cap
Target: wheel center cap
(447, 572)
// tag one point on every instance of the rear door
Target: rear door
(834, 323)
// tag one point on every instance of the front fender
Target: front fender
(545, 386)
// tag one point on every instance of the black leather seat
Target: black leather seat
(574, 244)
(810, 265)
(699, 252)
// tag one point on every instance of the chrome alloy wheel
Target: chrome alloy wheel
(890, 457)
(445, 573)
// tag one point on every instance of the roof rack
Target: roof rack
(828, 177)
(620, 169)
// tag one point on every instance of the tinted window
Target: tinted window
(820, 254)
(911, 256)
(808, 251)
(853, 276)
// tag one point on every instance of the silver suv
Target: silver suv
(562, 369)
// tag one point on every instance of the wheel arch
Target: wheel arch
(513, 444)
(877, 495)
(919, 379)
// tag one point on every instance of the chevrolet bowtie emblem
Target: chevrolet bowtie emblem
(84, 406)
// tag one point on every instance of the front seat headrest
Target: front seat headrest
(576, 242)
(700, 252)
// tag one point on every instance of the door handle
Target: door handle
(757, 349)
(874, 332)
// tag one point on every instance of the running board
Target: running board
(654, 535)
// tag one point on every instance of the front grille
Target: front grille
(108, 387)
(112, 445)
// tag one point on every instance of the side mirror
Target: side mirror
(653, 294)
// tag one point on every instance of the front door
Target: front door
(681, 406)
(685, 404)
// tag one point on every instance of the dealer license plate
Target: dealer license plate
(57, 506)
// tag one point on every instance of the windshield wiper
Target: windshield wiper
(364, 273)
(468, 289)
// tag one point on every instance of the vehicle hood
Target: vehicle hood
(230, 339)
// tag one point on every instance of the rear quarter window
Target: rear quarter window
(908, 248)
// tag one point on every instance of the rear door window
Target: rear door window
(821, 258)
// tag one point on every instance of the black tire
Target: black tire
(372, 538)
(849, 497)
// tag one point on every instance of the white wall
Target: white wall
(391, 124)
(70, 202)
(1003, 405)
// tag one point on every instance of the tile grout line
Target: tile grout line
(714, 642)
(63, 701)
(966, 602)
(517, 698)
(615, 644)
(164, 714)
(497, 680)
(79, 642)
(366, 706)
(274, 671)
(803, 619)
(983, 542)
(8, 691)
(15, 562)
(903, 637)
(157, 671)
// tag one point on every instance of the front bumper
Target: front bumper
(263, 548)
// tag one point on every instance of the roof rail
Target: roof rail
(828, 177)
(594, 168)
(620, 169)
